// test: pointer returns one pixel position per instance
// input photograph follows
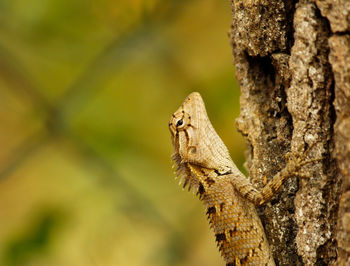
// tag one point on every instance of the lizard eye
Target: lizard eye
(179, 123)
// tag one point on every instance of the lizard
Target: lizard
(203, 163)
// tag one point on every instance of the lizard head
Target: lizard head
(196, 144)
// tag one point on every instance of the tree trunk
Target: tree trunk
(293, 65)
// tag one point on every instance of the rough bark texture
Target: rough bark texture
(292, 62)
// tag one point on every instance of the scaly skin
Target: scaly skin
(204, 164)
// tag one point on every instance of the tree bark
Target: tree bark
(292, 62)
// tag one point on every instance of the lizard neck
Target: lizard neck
(207, 178)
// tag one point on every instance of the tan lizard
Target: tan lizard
(204, 164)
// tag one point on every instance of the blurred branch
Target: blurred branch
(116, 53)
(137, 200)
(26, 149)
(113, 56)
(13, 73)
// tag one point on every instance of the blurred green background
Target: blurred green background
(86, 92)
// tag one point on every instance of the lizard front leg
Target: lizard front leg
(248, 191)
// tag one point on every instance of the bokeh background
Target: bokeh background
(86, 92)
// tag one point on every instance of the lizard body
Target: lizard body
(204, 165)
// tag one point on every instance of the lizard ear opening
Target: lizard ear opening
(192, 150)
